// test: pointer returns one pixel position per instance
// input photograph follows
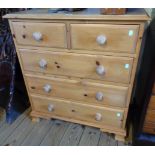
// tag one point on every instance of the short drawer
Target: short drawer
(82, 112)
(87, 92)
(40, 34)
(104, 37)
(108, 68)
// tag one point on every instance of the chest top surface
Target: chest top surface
(86, 14)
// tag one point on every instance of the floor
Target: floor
(51, 132)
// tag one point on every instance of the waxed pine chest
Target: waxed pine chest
(79, 67)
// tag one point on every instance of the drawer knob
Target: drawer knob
(50, 107)
(43, 63)
(47, 88)
(118, 114)
(37, 36)
(98, 117)
(127, 66)
(99, 96)
(101, 39)
(100, 70)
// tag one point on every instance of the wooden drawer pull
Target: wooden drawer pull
(100, 70)
(37, 36)
(47, 88)
(99, 96)
(50, 107)
(98, 117)
(43, 63)
(101, 39)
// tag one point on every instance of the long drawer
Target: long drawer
(104, 37)
(87, 92)
(40, 34)
(73, 110)
(108, 68)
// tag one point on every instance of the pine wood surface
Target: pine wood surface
(54, 35)
(51, 132)
(78, 111)
(117, 37)
(78, 65)
(88, 14)
(77, 90)
(79, 61)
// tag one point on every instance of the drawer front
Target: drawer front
(151, 105)
(40, 34)
(113, 38)
(72, 110)
(116, 69)
(89, 93)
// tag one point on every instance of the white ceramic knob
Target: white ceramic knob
(98, 117)
(127, 66)
(118, 114)
(100, 70)
(43, 63)
(50, 107)
(99, 96)
(47, 88)
(37, 36)
(101, 39)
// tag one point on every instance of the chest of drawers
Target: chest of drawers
(79, 67)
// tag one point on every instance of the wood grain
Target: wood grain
(75, 90)
(90, 137)
(78, 65)
(53, 34)
(72, 54)
(72, 135)
(150, 116)
(68, 109)
(55, 134)
(9, 130)
(88, 14)
(19, 134)
(104, 139)
(149, 127)
(84, 37)
(134, 69)
(38, 133)
(151, 105)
